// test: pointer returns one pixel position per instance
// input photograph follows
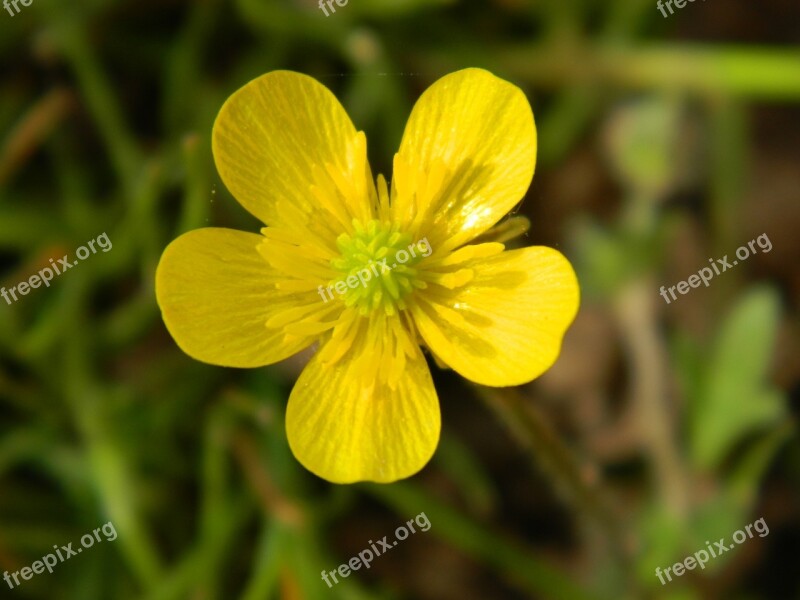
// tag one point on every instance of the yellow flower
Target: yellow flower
(364, 408)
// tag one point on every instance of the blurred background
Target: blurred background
(663, 143)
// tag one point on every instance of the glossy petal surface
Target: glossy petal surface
(288, 152)
(346, 423)
(466, 158)
(506, 325)
(216, 294)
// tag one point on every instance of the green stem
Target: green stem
(635, 312)
(738, 71)
(553, 457)
(96, 90)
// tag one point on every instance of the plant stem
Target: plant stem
(555, 459)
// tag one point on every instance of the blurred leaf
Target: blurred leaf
(719, 518)
(743, 481)
(669, 540)
(642, 139)
(602, 264)
(663, 537)
(735, 400)
(606, 259)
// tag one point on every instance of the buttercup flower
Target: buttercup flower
(364, 408)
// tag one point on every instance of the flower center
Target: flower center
(377, 267)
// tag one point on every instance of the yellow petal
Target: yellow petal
(466, 158)
(216, 294)
(289, 153)
(346, 422)
(506, 325)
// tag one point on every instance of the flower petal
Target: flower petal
(346, 422)
(466, 158)
(506, 325)
(216, 294)
(288, 152)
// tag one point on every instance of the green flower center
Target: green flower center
(377, 267)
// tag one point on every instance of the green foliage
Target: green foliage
(735, 399)
(105, 118)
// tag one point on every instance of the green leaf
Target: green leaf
(717, 519)
(603, 261)
(743, 481)
(663, 538)
(736, 399)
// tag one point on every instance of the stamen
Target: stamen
(376, 266)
